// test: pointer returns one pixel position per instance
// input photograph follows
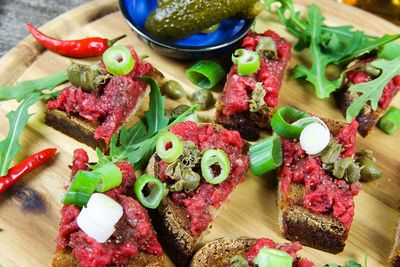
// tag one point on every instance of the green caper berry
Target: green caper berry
(88, 77)
(172, 89)
(178, 110)
(369, 169)
(238, 261)
(203, 98)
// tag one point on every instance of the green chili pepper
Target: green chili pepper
(81, 189)
(118, 60)
(156, 187)
(248, 61)
(169, 147)
(213, 157)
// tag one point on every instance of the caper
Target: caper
(238, 261)
(353, 173)
(340, 167)
(369, 169)
(331, 154)
(172, 89)
(203, 98)
(191, 179)
(88, 77)
(178, 110)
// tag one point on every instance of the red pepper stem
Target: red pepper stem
(113, 41)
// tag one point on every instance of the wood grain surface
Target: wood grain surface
(30, 210)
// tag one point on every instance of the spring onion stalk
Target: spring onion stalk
(81, 189)
(247, 61)
(215, 158)
(314, 138)
(118, 60)
(269, 257)
(282, 120)
(205, 74)
(99, 218)
(156, 187)
(390, 122)
(169, 147)
(265, 155)
(110, 177)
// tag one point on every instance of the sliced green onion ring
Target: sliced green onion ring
(248, 61)
(282, 120)
(118, 60)
(213, 157)
(169, 147)
(390, 122)
(205, 74)
(156, 187)
(110, 177)
(81, 188)
(265, 155)
(269, 257)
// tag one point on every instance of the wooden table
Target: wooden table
(30, 211)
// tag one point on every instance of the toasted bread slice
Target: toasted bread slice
(218, 252)
(172, 223)
(395, 254)
(297, 223)
(83, 130)
(142, 259)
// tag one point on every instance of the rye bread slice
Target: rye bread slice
(172, 223)
(83, 130)
(218, 252)
(395, 254)
(367, 118)
(297, 223)
(64, 258)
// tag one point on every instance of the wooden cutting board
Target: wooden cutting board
(29, 212)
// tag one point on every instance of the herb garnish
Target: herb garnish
(28, 93)
(328, 45)
(137, 144)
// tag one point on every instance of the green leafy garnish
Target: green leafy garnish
(371, 91)
(26, 88)
(17, 120)
(138, 143)
(350, 263)
(328, 45)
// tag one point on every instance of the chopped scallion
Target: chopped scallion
(390, 122)
(265, 155)
(282, 120)
(81, 189)
(215, 158)
(110, 177)
(156, 187)
(169, 147)
(205, 74)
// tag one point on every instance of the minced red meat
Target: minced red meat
(324, 194)
(198, 203)
(290, 248)
(112, 107)
(360, 76)
(235, 95)
(134, 231)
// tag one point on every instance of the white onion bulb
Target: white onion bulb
(314, 138)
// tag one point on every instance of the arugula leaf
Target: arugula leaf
(17, 119)
(372, 91)
(323, 86)
(350, 263)
(26, 88)
(155, 117)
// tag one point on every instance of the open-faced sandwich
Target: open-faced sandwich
(245, 251)
(107, 228)
(201, 165)
(395, 254)
(318, 178)
(102, 97)
(251, 92)
(361, 71)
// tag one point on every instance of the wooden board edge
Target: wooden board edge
(19, 58)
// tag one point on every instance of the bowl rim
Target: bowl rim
(247, 27)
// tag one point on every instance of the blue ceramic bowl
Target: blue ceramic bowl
(196, 46)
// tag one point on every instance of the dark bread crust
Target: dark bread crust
(64, 258)
(395, 254)
(218, 252)
(83, 130)
(297, 223)
(248, 124)
(367, 117)
(172, 223)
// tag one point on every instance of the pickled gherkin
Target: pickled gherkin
(181, 18)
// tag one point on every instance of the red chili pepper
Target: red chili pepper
(88, 47)
(25, 166)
